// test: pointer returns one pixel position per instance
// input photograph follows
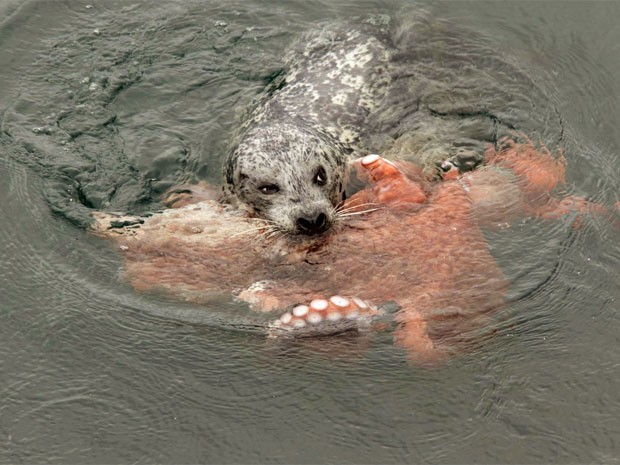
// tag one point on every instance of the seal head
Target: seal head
(289, 173)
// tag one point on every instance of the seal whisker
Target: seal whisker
(346, 215)
(344, 210)
(250, 230)
(274, 233)
(264, 220)
(279, 234)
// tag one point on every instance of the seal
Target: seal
(289, 162)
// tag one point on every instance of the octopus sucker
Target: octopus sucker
(334, 315)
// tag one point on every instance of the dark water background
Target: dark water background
(106, 104)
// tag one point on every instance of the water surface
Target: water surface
(105, 105)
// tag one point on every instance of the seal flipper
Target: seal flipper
(462, 162)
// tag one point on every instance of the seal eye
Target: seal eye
(269, 189)
(320, 177)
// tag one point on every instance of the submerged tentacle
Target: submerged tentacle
(325, 316)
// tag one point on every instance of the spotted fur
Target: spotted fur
(311, 121)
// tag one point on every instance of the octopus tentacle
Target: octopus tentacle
(390, 185)
(323, 317)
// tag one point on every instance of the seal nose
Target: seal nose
(313, 226)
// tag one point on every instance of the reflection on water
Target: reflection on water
(106, 105)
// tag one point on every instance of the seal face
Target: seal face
(289, 174)
(289, 162)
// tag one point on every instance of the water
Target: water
(105, 105)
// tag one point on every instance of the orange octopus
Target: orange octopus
(402, 239)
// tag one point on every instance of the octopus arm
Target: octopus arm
(521, 179)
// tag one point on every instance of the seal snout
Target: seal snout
(313, 225)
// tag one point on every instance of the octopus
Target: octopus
(405, 249)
